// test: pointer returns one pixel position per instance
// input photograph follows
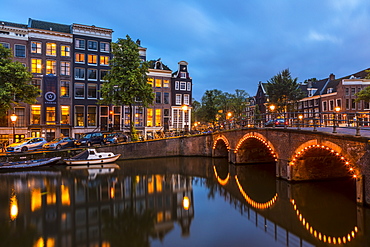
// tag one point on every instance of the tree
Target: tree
(239, 102)
(127, 81)
(210, 105)
(15, 83)
(283, 90)
(363, 95)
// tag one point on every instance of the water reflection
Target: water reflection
(145, 202)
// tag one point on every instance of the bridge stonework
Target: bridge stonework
(299, 154)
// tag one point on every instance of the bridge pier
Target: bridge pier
(282, 169)
(232, 156)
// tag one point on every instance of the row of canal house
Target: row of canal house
(323, 96)
(68, 63)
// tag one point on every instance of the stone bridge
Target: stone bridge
(299, 154)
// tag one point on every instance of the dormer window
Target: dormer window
(182, 74)
(329, 90)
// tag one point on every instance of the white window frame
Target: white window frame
(178, 99)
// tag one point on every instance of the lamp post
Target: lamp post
(336, 110)
(300, 117)
(13, 118)
(184, 109)
(272, 108)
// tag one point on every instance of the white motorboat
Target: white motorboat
(92, 157)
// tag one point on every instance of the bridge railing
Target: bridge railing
(314, 120)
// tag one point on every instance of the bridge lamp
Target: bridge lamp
(184, 108)
(13, 118)
(335, 121)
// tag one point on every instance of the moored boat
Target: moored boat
(28, 164)
(91, 157)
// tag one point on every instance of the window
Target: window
(324, 106)
(331, 105)
(80, 58)
(347, 91)
(178, 99)
(80, 90)
(339, 103)
(158, 117)
(177, 85)
(92, 74)
(150, 81)
(182, 74)
(166, 83)
(91, 116)
(79, 116)
(51, 67)
(6, 45)
(64, 88)
(182, 85)
(92, 90)
(186, 99)
(36, 65)
(149, 117)
(36, 47)
(51, 49)
(104, 46)
(79, 73)
(166, 98)
(64, 109)
(366, 105)
(92, 45)
(20, 51)
(104, 60)
(353, 104)
(50, 115)
(158, 97)
(189, 86)
(353, 91)
(65, 51)
(92, 59)
(80, 44)
(37, 83)
(102, 74)
(65, 68)
(347, 104)
(35, 114)
(158, 83)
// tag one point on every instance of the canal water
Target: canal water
(176, 202)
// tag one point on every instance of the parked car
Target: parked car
(31, 143)
(59, 143)
(89, 139)
(276, 122)
(116, 137)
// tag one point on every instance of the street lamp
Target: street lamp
(184, 109)
(13, 118)
(272, 108)
(336, 110)
(300, 117)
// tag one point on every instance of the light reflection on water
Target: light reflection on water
(176, 202)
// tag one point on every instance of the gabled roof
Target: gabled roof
(44, 25)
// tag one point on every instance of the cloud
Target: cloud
(316, 36)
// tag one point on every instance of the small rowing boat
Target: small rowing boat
(27, 164)
(91, 157)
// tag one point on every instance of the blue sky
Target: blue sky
(230, 44)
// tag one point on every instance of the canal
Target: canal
(176, 202)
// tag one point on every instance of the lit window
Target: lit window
(35, 114)
(158, 117)
(80, 44)
(104, 46)
(104, 60)
(36, 47)
(79, 116)
(91, 116)
(64, 88)
(149, 121)
(92, 45)
(65, 51)
(92, 59)
(51, 49)
(150, 81)
(36, 65)
(20, 51)
(65, 68)
(166, 83)
(50, 115)
(158, 83)
(80, 58)
(79, 73)
(64, 109)
(51, 67)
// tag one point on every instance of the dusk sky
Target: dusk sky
(230, 44)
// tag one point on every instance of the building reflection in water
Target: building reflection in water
(143, 201)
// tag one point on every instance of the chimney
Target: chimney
(331, 77)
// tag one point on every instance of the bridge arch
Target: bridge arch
(312, 160)
(255, 148)
(221, 147)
